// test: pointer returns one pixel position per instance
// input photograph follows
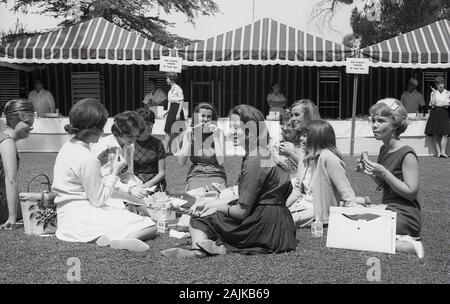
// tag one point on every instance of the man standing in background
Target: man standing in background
(42, 99)
(156, 97)
(412, 99)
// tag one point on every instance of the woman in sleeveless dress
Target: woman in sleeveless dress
(204, 145)
(19, 121)
(396, 173)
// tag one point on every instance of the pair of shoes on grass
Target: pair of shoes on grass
(205, 248)
(134, 245)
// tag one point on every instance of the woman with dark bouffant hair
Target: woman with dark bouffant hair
(82, 193)
(203, 144)
(125, 130)
(19, 121)
(149, 155)
(258, 221)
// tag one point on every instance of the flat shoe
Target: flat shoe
(129, 244)
(103, 241)
(210, 247)
(182, 253)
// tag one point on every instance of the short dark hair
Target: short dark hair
(18, 110)
(146, 114)
(125, 122)
(38, 80)
(172, 76)
(248, 113)
(86, 117)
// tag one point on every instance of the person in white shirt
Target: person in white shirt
(412, 99)
(276, 100)
(175, 113)
(156, 97)
(82, 194)
(438, 124)
(42, 99)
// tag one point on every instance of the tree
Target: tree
(132, 15)
(396, 17)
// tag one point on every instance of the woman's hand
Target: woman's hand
(287, 148)
(118, 164)
(138, 191)
(372, 168)
(198, 208)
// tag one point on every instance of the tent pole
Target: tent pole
(355, 95)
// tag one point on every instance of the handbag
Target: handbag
(38, 209)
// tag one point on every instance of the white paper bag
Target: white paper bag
(362, 228)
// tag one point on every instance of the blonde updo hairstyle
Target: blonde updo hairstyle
(391, 107)
(18, 110)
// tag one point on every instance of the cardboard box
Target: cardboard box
(362, 228)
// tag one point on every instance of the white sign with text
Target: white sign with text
(357, 66)
(171, 64)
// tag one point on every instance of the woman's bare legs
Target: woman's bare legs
(134, 241)
(143, 234)
(166, 142)
(444, 141)
(437, 144)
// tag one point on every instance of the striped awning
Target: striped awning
(94, 41)
(426, 47)
(265, 42)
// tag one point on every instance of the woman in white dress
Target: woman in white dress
(82, 194)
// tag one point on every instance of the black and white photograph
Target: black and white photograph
(227, 148)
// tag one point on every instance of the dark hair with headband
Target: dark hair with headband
(88, 116)
(126, 122)
(206, 106)
(18, 110)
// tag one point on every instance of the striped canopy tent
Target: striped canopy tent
(426, 47)
(265, 42)
(90, 42)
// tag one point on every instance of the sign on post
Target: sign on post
(357, 66)
(170, 64)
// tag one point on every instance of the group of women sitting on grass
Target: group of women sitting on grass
(95, 177)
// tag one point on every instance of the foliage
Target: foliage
(397, 16)
(141, 16)
(44, 216)
(16, 33)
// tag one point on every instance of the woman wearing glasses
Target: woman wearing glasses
(19, 121)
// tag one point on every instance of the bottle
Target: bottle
(317, 228)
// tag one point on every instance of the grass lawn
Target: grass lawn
(32, 259)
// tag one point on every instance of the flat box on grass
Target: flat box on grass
(362, 228)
